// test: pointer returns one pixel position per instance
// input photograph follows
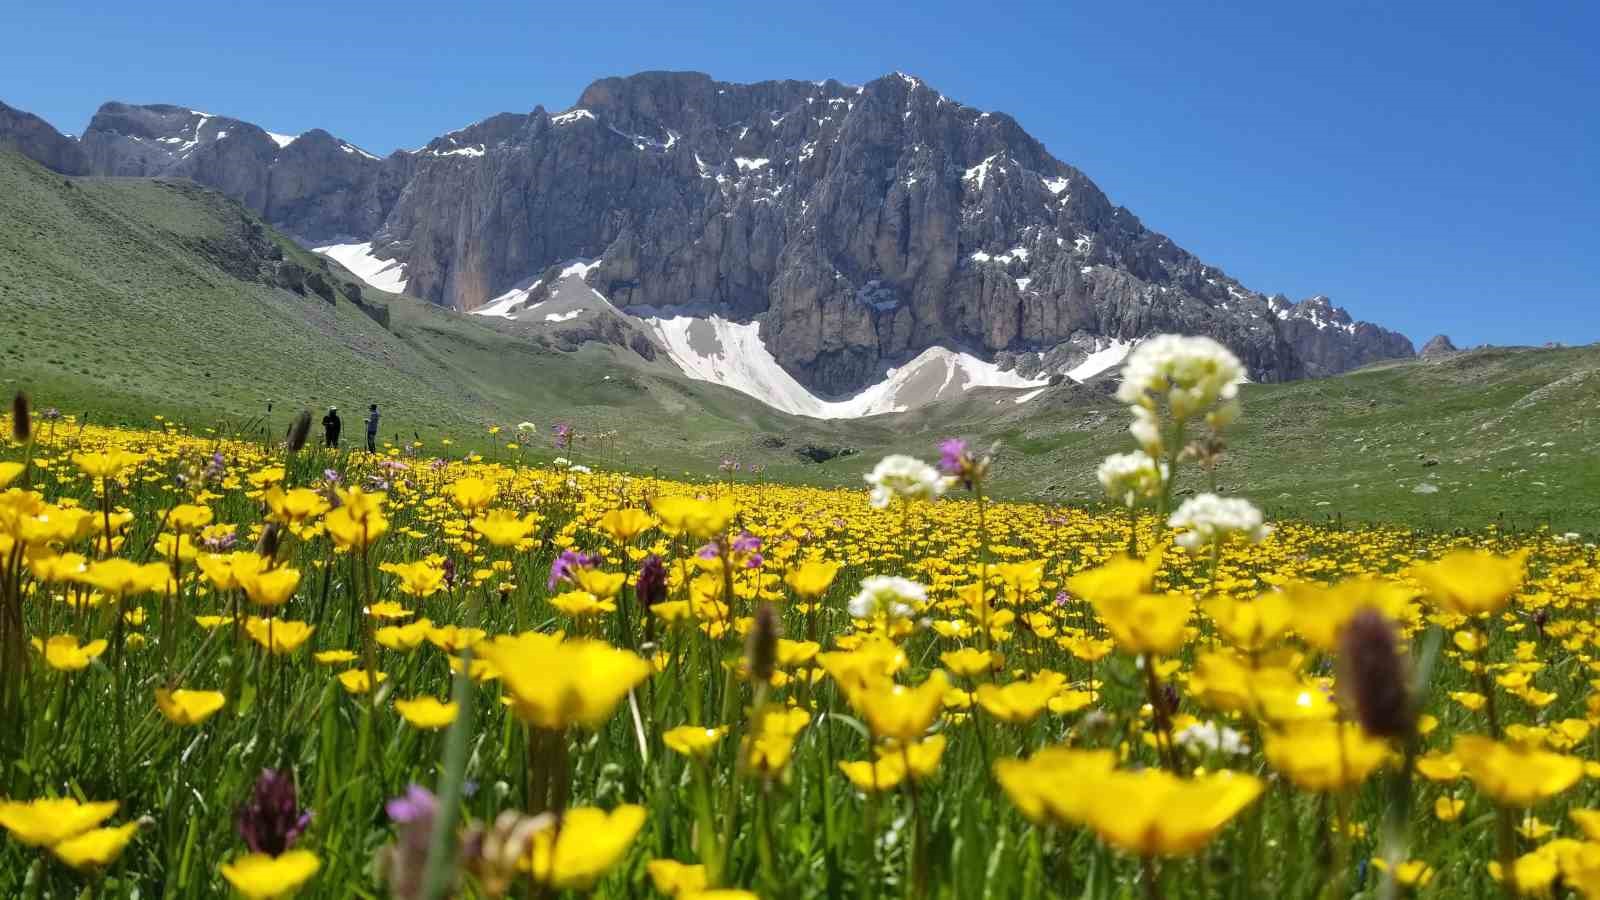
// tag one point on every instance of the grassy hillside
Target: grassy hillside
(124, 298)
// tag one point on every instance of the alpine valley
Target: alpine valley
(797, 275)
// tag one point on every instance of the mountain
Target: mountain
(34, 138)
(1437, 346)
(851, 229)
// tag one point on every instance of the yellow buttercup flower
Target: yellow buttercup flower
(97, 848)
(8, 473)
(572, 853)
(426, 713)
(1146, 623)
(1468, 582)
(556, 683)
(770, 744)
(623, 525)
(119, 577)
(259, 876)
(1322, 610)
(900, 712)
(695, 741)
(1047, 788)
(416, 579)
(1155, 813)
(700, 519)
(471, 494)
(404, 638)
(969, 662)
(1513, 775)
(360, 681)
(295, 506)
(1250, 625)
(42, 823)
(504, 528)
(1325, 756)
(278, 636)
(602, 584)
(812, 578)
(63, 653)
(676, 879)
(271, 587)
(106, 463)
(1019, 702)
(182, 707)
(222, 569)
(1121, 577)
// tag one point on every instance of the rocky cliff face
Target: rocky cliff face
(314, 185)
(33, 137)
(859, 224)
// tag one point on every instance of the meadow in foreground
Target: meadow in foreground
(228, 666)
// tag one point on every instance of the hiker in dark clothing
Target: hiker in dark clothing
(331, 426)
(372, 428)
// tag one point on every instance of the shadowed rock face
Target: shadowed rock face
(33, 137)
(860, 224)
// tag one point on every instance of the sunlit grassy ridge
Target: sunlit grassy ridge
(1023, 715)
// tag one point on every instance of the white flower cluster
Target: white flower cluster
(1191, 374)
(1131, 477)
(527, 427)
(905, 477)
(1203, 737)
(888, 595)
(1207, 519)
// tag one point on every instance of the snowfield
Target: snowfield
(721, 351)
(383, 274)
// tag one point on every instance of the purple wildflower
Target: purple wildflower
(406, 860)
(709, 551)
(952, 452)
(651, 585)
(563, 433)
(449, 573)
(332, 476)
(270, 821)
(746, 543)
(564, 565)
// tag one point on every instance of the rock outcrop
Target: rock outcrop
(34, 138)
(1437, 346)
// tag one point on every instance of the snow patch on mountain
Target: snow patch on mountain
(383, 274)
(712, 348)
(282, 140)
(1112, 354)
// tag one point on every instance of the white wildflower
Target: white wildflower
(887, 595)
(1146, 430)
(905, 477)
(1207, 519)
(561, 462)
(1203, 737)
(1131, 477)
(579, 469)
(1190, 373)
(527, 427)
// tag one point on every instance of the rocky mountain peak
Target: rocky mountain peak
(1437, 346)
(34, 138)
(855, 226)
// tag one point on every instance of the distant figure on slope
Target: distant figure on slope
(331, 426)
(372, 428)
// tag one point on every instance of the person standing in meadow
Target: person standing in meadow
(331, 426)
(372, 428)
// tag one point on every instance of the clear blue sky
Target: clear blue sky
(1430, 166)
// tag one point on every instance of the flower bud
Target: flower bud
(761, 646)
(1374, 676)
(21, 421)
(299, 431)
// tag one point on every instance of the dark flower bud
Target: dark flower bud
(651, 585)
(299, 431)
(267, 545)
(270, 821)
(761, 646)
(1374, 676)
(21, 420)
